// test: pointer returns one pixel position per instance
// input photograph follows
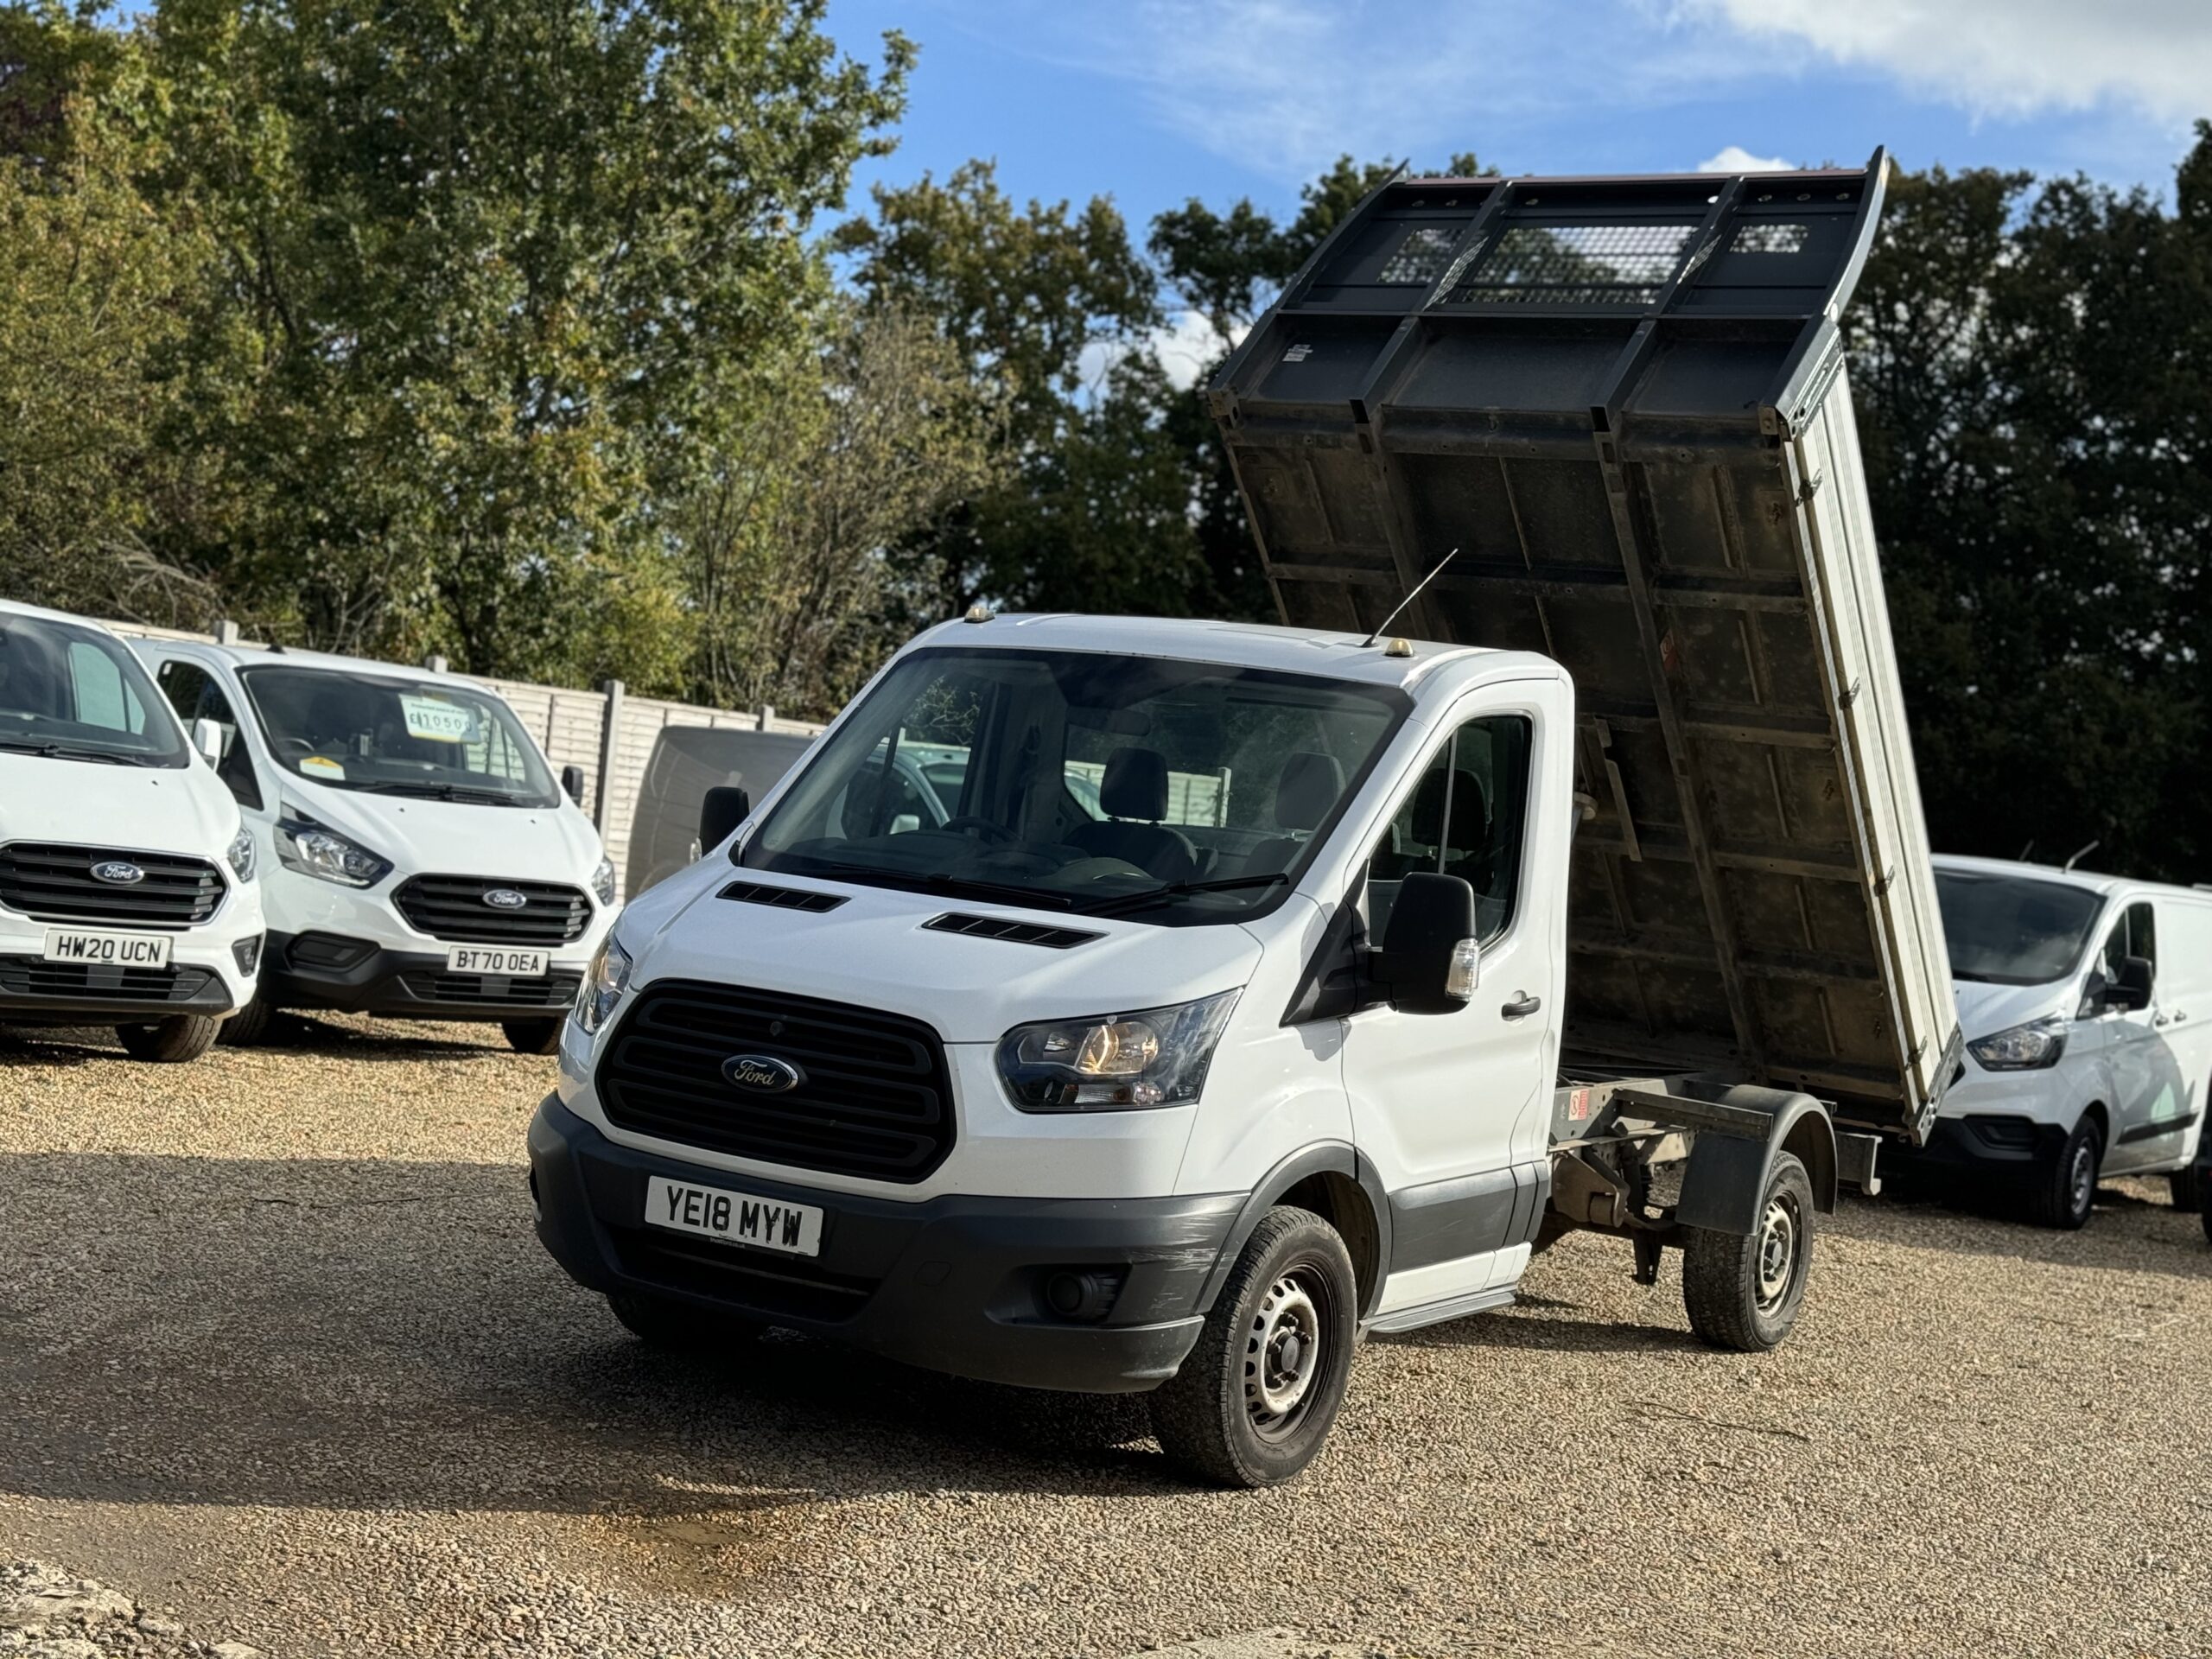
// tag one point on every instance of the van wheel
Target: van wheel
(1744, 1291)
(1255, 1395)
(2207, 1212)
(249, 1025)
(2188, 1188)
(171, 1041)
(532, 1036)
(679, 1327)
(2066, 1188)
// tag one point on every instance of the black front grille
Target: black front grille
(453, 907)
(52, 882)
(772, 1286)
(553, 991)
(32, 976)
(874, 1099)
(1012, 933)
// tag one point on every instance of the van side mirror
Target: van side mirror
(207, 738)
(572, 783)
(2131, 990)
(725, 807)
(1430, 961)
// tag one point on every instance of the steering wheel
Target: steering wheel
(988, 829)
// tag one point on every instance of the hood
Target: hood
(872, 951)
(186, 810)
(1986, 1009)
(533, 843)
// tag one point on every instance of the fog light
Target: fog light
(1081, 1293)
(248, 952)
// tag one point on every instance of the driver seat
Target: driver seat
(1134, 794)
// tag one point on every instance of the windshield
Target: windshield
(75, 693)
(1184, 792)
(392, 736)
(2012, 930)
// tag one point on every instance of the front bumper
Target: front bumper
(204, 974)
(329, 971)
(1991, 1144)
(952, 1284)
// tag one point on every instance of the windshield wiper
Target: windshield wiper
(1151, 896)
(441, 792)
(941, 881)
(63, 752)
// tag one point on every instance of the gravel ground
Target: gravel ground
(280, 1358)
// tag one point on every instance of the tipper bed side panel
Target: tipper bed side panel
(1623, 402)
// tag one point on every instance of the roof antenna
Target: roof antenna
(2083, 854)
(2025, 850)
(1383, 626)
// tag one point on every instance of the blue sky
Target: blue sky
(1155, 101)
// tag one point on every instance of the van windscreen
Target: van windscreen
(432, 739)
(73, 693)
(2008, 930)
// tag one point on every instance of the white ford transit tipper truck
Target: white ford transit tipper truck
(127, 889)
(1269, 985)
(2087, 1003)
(419, 859)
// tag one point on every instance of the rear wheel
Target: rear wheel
(532, 1036)
(2065, 1191)
(662, 1322)
(171, 1041)
(249, 1025)
(1256, 1397)
(2189, 1188)
(1744, 1291)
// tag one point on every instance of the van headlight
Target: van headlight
(316, 850)
(240, 854)
(1115, 1062)
(603, 882)
(604, 980)
(2022, 1048)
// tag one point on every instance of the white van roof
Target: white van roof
(244, 656)
(2087, 881)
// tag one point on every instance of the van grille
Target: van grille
(51, 882)
(453, 907)
(33, 976)
(875, 1100)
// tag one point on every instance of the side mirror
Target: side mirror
(207, 738)
(2131, 991)
(572, 783)
(725, 807)
(1430, 964)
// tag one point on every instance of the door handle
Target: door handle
(1522, 1006)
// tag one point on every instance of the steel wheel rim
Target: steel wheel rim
(2082, 1179)
(1285, 1350)
(1780, 1232)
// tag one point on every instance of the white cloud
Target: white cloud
(1736, 159)
(1185, 345)
(2005, 57)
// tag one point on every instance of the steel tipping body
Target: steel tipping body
(1625, 401)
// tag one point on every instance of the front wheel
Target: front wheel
(181, 1037)
(2189, 1189)
(2207, 1212)
(2066, 1188)
(1255, 1395)
(532, 1036)
(250, 1024)
(1744, 1291)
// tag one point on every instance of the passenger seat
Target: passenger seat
(1305, 793)
(1133, 795)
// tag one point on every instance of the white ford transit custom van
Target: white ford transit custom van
(2086, 1004)
(127, 889)
(420, 860)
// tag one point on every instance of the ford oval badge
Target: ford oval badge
(763, 1074)
(504, 899)
(118, 872)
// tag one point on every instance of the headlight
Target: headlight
(602, 880)
(604, 980)
(241, 854)
(309, 847)
(1116, 1062)
(2023, 1048)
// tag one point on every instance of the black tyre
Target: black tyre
(661, 1322)
(249, 1025)
(2208, 1212)
(1742, 1292)
(181, 1037)
(2065, 1191)
(1256, 1397)
(532, 1036)
(2188, 1187)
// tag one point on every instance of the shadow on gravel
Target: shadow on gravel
(382, 1039)
(390, 1336)
(2134, 1230)
(1514, 1327)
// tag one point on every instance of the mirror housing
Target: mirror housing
(2131, 990)
(1428, 961)
(207, 738)
(726, 806)
(572, 782)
